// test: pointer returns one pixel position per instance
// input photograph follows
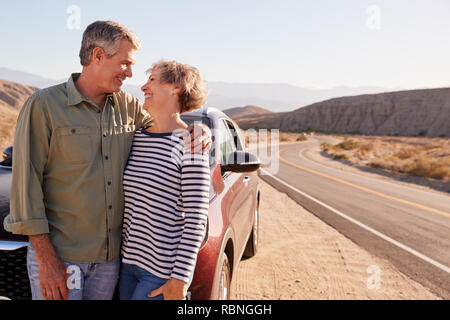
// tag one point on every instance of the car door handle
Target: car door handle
(246, 179)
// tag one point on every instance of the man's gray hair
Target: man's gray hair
(106, 35)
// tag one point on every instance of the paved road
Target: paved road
(410, 227)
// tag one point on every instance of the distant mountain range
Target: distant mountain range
(414, 112)
(424, 112)
(274, 97)
(26, 78)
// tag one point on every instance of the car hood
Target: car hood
(5, 185)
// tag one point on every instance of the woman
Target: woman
(166, 191)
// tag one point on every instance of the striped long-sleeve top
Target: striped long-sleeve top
(166, 205)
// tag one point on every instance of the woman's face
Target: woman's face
(156, 92)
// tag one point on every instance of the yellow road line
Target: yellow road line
(362, 188)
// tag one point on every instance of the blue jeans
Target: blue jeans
(87, 281)
(136, 283)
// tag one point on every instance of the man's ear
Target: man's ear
(98, 54)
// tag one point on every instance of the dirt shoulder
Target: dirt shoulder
(301, 257)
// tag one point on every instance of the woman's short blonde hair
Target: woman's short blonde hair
(193, 93)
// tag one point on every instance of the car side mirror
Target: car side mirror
(241, 161)
(7, 157)
(7, 152)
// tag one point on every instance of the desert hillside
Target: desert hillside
(12, 97)
(406, 113)
(14, 94)
(239, 112)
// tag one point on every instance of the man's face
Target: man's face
(114, 70)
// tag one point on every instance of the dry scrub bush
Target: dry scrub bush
(341, 156)
(365, 147)
(348, 144)
(388, 162)
(326, 147)
(405, 153)
(429, 168)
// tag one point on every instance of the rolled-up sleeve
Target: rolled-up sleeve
(31, 146)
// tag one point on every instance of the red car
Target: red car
(234, 207)
(232, 229)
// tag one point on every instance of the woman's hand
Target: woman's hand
(199, 138)
(173, 289)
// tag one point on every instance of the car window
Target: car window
(226, 142)
(236, 137)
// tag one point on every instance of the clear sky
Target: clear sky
(316, 43)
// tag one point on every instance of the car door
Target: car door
(245, 190)
(239, 204)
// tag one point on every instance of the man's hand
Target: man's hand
(52, 271)
(173, 289)
(199, 139)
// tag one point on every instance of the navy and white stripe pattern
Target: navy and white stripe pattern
(166, 205)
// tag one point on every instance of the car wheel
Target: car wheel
(252, 245)
(223, 287)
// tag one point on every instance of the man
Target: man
(71, 145)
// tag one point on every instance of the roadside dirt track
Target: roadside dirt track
(301, 257)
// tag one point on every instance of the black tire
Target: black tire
(253, 241)
(224, 280)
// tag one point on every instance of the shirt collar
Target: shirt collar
(74, 96)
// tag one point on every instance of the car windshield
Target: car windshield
(193, 119)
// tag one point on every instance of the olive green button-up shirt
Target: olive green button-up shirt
(68, 160)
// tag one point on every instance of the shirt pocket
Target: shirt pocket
(75, 145)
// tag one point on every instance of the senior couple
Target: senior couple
(105, 186)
